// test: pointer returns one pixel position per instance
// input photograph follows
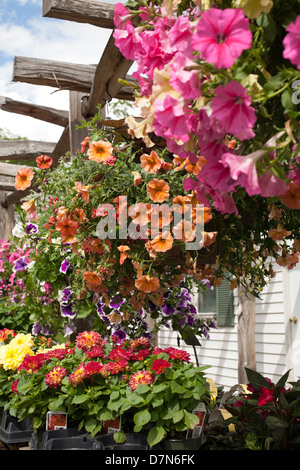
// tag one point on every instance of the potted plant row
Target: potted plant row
(101, 384)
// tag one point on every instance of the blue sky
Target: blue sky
(25, 32)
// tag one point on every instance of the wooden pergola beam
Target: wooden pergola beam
(9, 169)
(43, 113)
(24, 149)
(112, 67)
(61, 75)
(82, 11)
(6, 186)
(60, 149)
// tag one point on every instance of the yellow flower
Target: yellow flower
(23, 341)
(12, 355)
(253, 8)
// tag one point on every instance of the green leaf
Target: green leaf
(178, 416)
(190, 419)
(56, 404)
(135, 399)
(177, 388)
(80, 399)
(257, 380)
(91, 424)
(119, 437)
(142, 417)
(105, 415)
(155, 435)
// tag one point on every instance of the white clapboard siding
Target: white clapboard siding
(220, 351)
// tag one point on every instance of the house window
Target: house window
(218, 302)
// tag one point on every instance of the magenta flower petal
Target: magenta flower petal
(222, 35)
(231, 106)
(291, 43)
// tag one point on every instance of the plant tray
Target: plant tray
(13, 431)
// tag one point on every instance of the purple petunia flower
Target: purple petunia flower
(20, 265)
(31, 228)
(64, 296)
(69, 329)
(65, 265)
(168, 309)
(67, 311)
(116, 302)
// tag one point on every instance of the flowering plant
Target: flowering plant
(90, 220)
(14, 347)
(264, 416)
(151, 389)
(217, 80)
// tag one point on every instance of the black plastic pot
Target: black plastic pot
(191, 443)
(134, 441)
(13, 431)
(64, 439)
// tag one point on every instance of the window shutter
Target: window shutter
(225, 309)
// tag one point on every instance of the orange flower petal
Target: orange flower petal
(23, 178)
(158, 190)
(100, 151)
(150, 163)
(147, 284)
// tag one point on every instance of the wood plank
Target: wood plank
(82, 11)
(75, 119)
(246, 334)
(60, 149)
(43, 113)
(112, 67)
(63, 75)
(24, 149)
(53, 73)
(9, 169)
(5, 186)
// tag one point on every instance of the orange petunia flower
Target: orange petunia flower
(68, 230)
(92, 278)
(23, 178)
(181, 204)
(195, 168)
(140, 213)
(29, 206)
(151, 163)
(161, 215)
(137, 179)
(158, 190)
(123, 252)
(209, 238)
(178, 163)
(147, 284)
(83, 191)
(100, 151)
(162, 242)
(185, 230)
(292, 196)
(278, 233)
(201, 215)
(44, 162)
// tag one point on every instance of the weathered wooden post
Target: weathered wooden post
(246, 334)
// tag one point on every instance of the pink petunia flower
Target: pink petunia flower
(232, 107)
(291, 43)
(128, 41)
(243, 170)
(222, 35)
(182, 79)
(181, 34)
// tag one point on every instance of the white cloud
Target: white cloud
(44, 38)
